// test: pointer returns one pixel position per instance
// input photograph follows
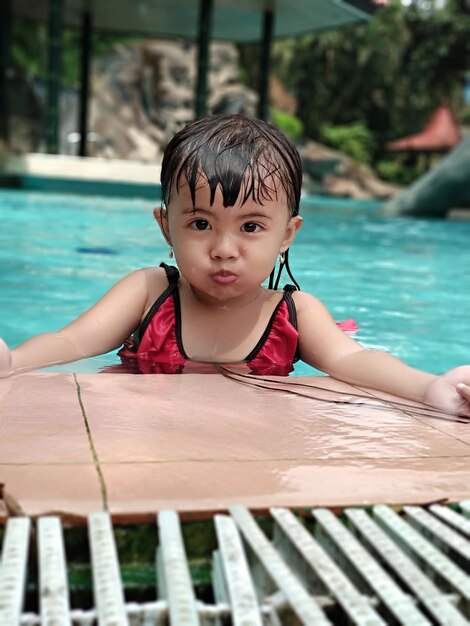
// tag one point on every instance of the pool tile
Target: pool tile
(138, 490)
(71, 490)
(185, 418)
(457, 430)
(41, 420)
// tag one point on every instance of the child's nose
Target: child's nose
(224, 247)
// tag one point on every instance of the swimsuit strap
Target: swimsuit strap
(288, 291)
(172, 275)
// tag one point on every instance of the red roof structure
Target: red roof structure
(441, 134)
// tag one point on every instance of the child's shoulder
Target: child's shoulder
(308, 305)
(305, 299)
(155, 273)
(149, 282)
(148, 276)
(155, 278)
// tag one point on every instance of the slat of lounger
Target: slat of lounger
(452, 518)
(355, 558)
(354, 604)
(465, 506)
(13, 570)
(219, 583)
(437, 603)
(242, 595)
(178, 585)
(425, 552)
(441, 535)
(107, 584)
(53, 589)
(302, 604)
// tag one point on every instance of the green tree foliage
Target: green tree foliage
(29, 49)
(288, 123)
(385, 77)
(355, 139)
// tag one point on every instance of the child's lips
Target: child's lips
(224, 278)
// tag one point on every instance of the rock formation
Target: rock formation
(143, 94)
(331, 172)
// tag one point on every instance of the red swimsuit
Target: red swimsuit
(156, 346)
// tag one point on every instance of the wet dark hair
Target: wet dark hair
(240, 155)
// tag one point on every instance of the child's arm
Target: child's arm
(327, 348)
(100, 329)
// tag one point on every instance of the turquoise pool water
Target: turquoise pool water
(405, 281)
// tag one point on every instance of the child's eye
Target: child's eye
(251, 227)
(200, 224)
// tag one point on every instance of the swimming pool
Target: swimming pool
(405, 281)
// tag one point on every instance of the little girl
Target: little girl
(231, 191)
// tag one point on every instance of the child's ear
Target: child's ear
(161, 217)
(293, 226)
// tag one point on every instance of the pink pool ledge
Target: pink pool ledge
(77, 443)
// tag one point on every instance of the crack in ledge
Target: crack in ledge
(94, 453)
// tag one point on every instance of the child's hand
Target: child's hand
(451, 391)
(6, 365)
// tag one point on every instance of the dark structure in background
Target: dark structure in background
(202, 20)
(5, 46)
(440, 135)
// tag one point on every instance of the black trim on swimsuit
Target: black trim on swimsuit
(287, 298)
(172, 275)
(172, 290)
(289, 290)
(178, 333)
(265, 335)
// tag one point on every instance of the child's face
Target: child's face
(225, 253)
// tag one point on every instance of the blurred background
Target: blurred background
(341, 94)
